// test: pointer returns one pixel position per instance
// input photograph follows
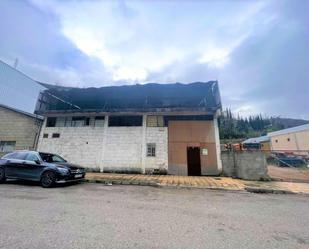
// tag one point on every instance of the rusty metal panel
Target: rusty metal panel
(209, 161)
(182, 134)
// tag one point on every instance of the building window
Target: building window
(51, 122)
(45, 135)
(288, 139)
(276, 140)
(60, 121)
(155, 121)
(87, 121)
(78, 121)
(68, 122)
(151, 150)
(7, 146)
(125, 121)
(56, 135)
(99, 121)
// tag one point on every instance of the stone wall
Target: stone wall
(248, 165)
(18, 127)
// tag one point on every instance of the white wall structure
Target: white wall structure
(18, 90)
(108, 149)
(80, 145)
(158, 136)
(123, 149)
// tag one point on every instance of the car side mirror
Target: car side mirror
(37, 161)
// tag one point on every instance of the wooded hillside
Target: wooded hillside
(237, 127)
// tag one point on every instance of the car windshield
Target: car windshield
(52, 158)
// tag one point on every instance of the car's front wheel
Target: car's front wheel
(2, 175)
(48, 179)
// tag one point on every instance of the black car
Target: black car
(46, 168)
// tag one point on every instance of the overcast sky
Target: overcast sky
(257, 50)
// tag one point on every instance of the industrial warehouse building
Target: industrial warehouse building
(295, 139)
(291, 139)
(18, 130)
(19, 126)
(151, 128)
(17, 90)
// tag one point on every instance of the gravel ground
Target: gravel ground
(99, 216)
(289, 174)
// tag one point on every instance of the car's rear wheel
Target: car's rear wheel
(48, 179)
(2, 175)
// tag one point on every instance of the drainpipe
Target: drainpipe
(37, 135)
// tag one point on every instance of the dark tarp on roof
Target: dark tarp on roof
(131, 97)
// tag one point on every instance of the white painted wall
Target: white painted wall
(108, 148)
(159, 136)
(123, 148)
(81, 145)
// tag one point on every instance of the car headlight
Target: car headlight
(63, 171)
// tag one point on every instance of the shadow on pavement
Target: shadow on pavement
(37, 184)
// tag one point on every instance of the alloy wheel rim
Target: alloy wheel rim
(48, 178)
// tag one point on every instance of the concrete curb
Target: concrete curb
(199, 187)
(250, 189)
(125, 182)
(268, 191)
(155, 184)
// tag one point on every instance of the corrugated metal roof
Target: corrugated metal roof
(256, 140)
(197, 95)
(290, 130)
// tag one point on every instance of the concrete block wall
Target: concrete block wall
(18, 127)
(80, 145)
(108, 149)
(251, 165)
(228, 163)
(123, 150)
(248, 165)
(159, 136)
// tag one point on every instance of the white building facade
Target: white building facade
(135, 139)
(101, 147)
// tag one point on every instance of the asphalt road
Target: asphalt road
(99, 216)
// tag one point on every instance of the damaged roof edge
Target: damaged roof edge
(149, 111)
(152, 97)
